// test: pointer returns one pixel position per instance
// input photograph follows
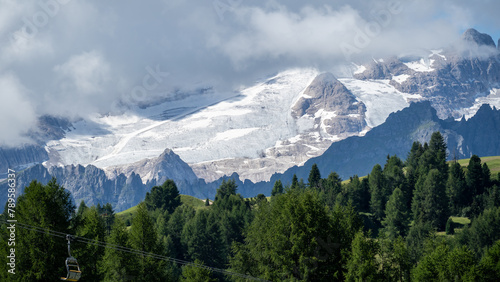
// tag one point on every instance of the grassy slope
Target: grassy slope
(185, 199)
(492, 162)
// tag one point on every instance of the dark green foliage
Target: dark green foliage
(294, 237)
(430, 203)
(378, 192)
(331, 187)
(143, 237)
(115, 265)
(165, 197)
(207, 202)
(397, 219)
(361, 265)
(450, 228)
(396, 263)
(475, 179)
(39, 256)
(225, 189)
(417, 235)
(357, 192)
(194, 273)
(314, 177)
(171, 232)
(490, 263)
(277, 188)
(483, 231)
(203, 239)
(456, 189)
(295, 182)
(92, 227)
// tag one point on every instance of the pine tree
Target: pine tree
(474, 178)
(377, 191)
(456, 188)
(165, 197)
(92, 227)
(203, 239)
(194, 273)
(430, 202)
(225, 189)
(396, 220)
(362, 265)
(39, 256)
(314, 177)
(143, 237)
(115, 265)
(277, 188)
(295, 182)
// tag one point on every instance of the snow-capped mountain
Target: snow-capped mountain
(266, 128)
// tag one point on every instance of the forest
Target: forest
(418, 219)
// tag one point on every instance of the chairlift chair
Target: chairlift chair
(72, 266)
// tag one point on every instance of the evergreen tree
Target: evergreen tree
(294, 237)
(362, 265)
(438, 147)
(115, 265)
(486, 176)
(430, 203)
(396, 220)
(474, 178)
(277, 188)
(194, 273)
(39, 256)
(225, 189)
(203, 239)
(92, 227)
(207, 202)
(314, 177)
(377, 192)
(456, 188)
(165, 197)
(143, 237)
(295, 182)
(490, 263)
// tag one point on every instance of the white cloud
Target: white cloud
(79, 56)
(16, 110)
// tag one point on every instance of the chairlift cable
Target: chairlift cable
(129, 250)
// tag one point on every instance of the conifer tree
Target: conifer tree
(39, 256)
(92, 227)
(314, 177)
(143, 237)
(396, 220)
(377, 192)
(277, 188)
(116, 265)
(430, 203)
(456, 188)
(475, 179)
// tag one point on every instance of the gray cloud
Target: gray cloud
(73, 57)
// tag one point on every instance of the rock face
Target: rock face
(93, 185)
(328, 100)
(167, 166)
(48, 128)
(473, 36)
(452, 80)
(479, 135)
(18, 158)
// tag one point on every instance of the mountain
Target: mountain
(122, 189)
(346, 121)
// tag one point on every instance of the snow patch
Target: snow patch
(421, 65)
(233, 133)
(360, 70)
(380, 98)
(401, 78)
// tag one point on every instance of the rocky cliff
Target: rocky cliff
(451, 79)
(342, 113)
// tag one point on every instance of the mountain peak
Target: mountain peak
(473, 36)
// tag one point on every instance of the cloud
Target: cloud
(77, 57)
(16, 110)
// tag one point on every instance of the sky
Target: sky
(74, 58)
